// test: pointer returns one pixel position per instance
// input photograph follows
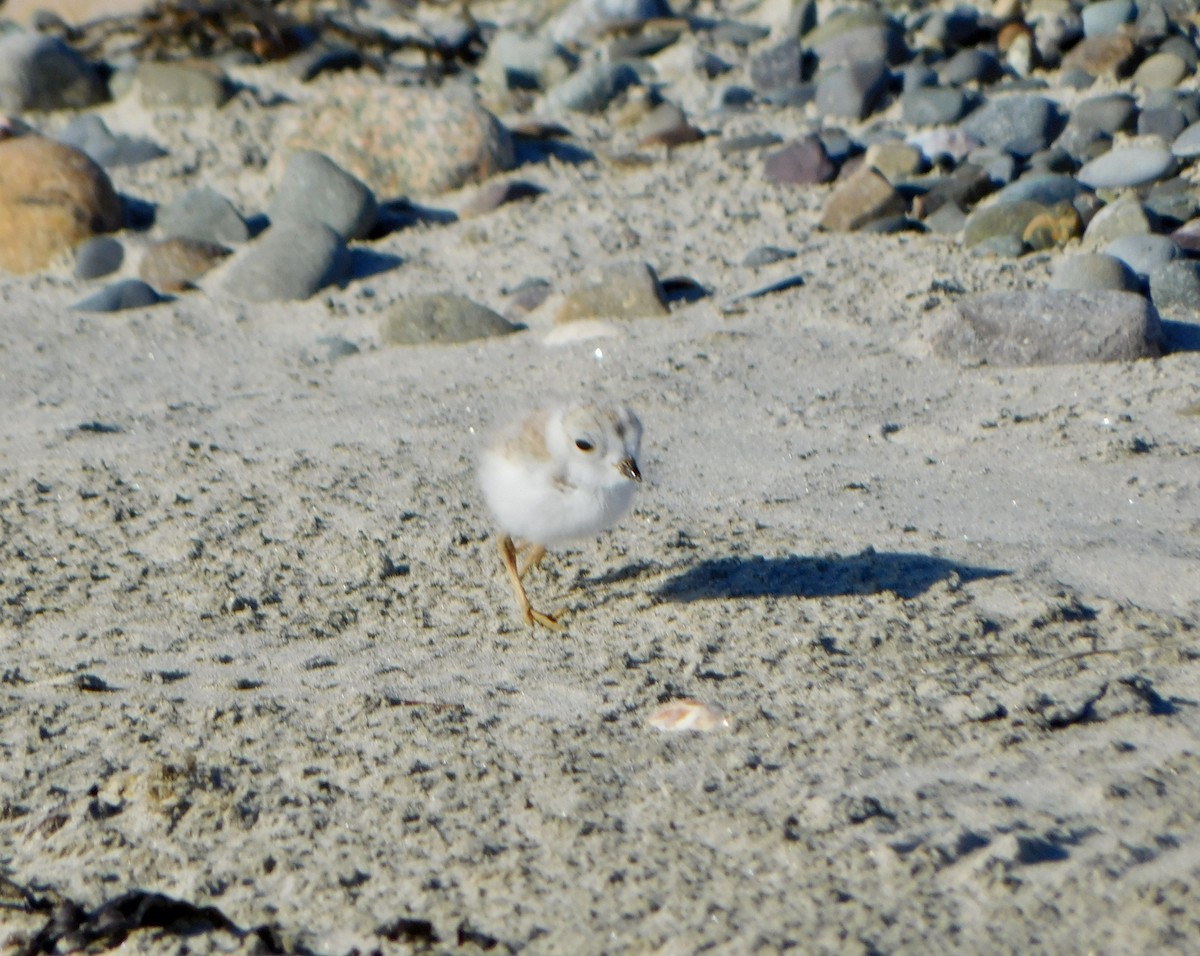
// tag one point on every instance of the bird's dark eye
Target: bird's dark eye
(584, 445)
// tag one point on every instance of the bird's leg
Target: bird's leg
(508, 554)
(536, 553)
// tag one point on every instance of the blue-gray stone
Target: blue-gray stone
(1109, 113)
(932, 106)
(204, 214)
(591, 88)
(1028, 123)
(1093, 271)
(314, 187)
(1145, 253)
(125, 294)
(89, 134)
(98, 256)
(1175, 287)
(1046, 189)
(43, 73)
(1127, 166)
(1106, 17)
(293, 260)
(853, 90)
(972, 65)
(1187, 143)
(1166, 123)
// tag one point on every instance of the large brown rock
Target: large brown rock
(52, 197)
(401, 140)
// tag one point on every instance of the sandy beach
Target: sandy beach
(258, 652)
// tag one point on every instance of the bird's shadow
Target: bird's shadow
(870, 572)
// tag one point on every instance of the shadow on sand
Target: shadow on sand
(905, 575)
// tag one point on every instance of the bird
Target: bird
(557, 475)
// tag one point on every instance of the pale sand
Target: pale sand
(924, 755)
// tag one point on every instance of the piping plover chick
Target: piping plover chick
(556, 476)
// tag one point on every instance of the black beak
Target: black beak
(628, 467)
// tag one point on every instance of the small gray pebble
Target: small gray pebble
(98, 256)
(125, 294)
(1143, 254)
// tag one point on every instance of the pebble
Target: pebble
(291, 261)
(591, 88)
(182, 84)
(1166, 123)
(98, 256)
(203, 213)
(491, 196)
(853, 90)
(766, 255)
(895, 160)
(1106, 17)
(1127, 166)
(441, 318)
(801, 162)
(1143, 254)
(628, 290)
(1187, 236)
(971, 65)
(1108, 113)
(90, 134)
(1007, 221)
(1019, 124)
(1101, 57)
(43, 73)
(961, 189)
(174, 265)
(1093, 270)
(1049, 328)
(1046, 188)
(862, 198)
(933, 106)
(1161, 71)
(584, 20)
(780, 67)
(1175, 288)
(522, 61)
(52, 197)
(314, 187)
(1172, 202)
(401, 140)
(124, 294)
(853, 35)
(1123, 217)
(1187, 143)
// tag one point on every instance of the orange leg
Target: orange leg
(508, 554)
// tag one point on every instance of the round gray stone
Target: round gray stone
(441, 318)
(1093, 271)
(1175, 287)
(1127, 166)
(98, 256)
(1022, 124)
(1046, 188)
(1106, 17)
(125, 294)
(291, 261)
(1143, 254)
(1187, 143)
(204, 214)
(314, 187)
